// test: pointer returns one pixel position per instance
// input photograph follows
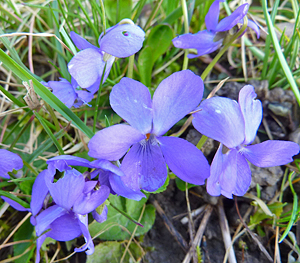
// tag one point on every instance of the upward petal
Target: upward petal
(212, 16)
(86, 67)
(220, 119)
(271, 153)
(131, 100)
(184, 159)
(175, 97)
(144, 167)
(63, 162)
(252, 112)
(8, 162)
(123, 40)
(230, 21)
(113, 142)
(80, 42)
(67, 189)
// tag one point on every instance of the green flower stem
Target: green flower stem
(104, 18)
(186, 30)
(98, 99)
(130, 67)
(126, 215)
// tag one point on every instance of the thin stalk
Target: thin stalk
(130, 67)
(186, 30)
(104, 17)
(98, 99)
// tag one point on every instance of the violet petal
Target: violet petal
(271, 153)
(8, 162)
(113, 142)
(220, 119)
(144, 167)
(131, 100)
(123, 40)
(175, 97)
(252, 112)
(185, 160)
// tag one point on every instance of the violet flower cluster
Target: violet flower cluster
(208, 41)
(135, 156)
(90, 63)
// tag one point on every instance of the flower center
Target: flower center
(148, 136)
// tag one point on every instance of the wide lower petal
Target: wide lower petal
(65, 228)
(185, 160)
(80, 42)
(131, 100)
(88, 202)
(144, 167)
(175, 97)
(230, 21)
(86, 67)
(271, 153)
(252, 112)
(220, 119)
(8, 162)
(223, 173)
(122, 40)
(113, 142)
(67, 189)
(121, 189)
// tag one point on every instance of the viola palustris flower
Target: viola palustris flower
(209, 40)
(8, 162)
(87, 66)
(145, 163)
(235, 126)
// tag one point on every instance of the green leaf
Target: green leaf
(112, 252)
(131, 207)
(116, 10)
(157, 44)
(182, 184)
(23, 233)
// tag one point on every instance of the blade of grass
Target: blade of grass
(282, 60)
(294, 211)
(44, 93)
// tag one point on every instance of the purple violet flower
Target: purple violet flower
(235, 126)
(70, 93)
(87, 66)
(207, 41)
(8, 162)
(145, 163)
